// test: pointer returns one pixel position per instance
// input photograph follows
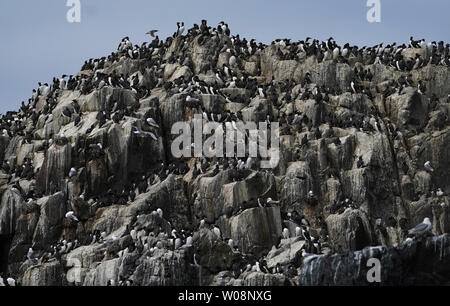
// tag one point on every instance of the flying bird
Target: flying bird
(139, 131)
(152, 33)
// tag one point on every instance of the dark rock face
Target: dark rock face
(424, 262)
(89, 182)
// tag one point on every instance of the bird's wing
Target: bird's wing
(152, 33)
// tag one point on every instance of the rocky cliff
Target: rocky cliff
(91, 193)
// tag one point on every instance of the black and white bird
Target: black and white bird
(305, 234)
(181, 28)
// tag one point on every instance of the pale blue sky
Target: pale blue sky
(38, 43)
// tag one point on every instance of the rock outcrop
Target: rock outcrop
(90, 184)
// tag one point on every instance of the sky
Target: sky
(38, 43)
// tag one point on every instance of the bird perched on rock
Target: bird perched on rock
(271, 202)
(216, 231)
(286, 234)
(421, 229)
(71, 216)
(133, 234)
(11, 282)
(160, 212)
(231, 243)
(30, 256)
(428, 167)
(298, 231)
(72, 172)
(152, 122)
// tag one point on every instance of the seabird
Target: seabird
(139, 131)
(31, 202)
(159, 245)
(11, 282)
(152, 32)
(378, 222)
(72, 172)
(177, 243)
(189, 241)
(409, 241)
(286, 233)
(261, 93)
(421, 228)
(71, 216)
(270, 201)
(298, 231)
(428, 167)
(133, 235)
(216, 231)
(152, 122)
(305, 234)
(181, 29)
(160, 212)
(352, 85)
(30, 256)
(189, 99)
(231, 243)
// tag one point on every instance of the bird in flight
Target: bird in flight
(152, 33)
